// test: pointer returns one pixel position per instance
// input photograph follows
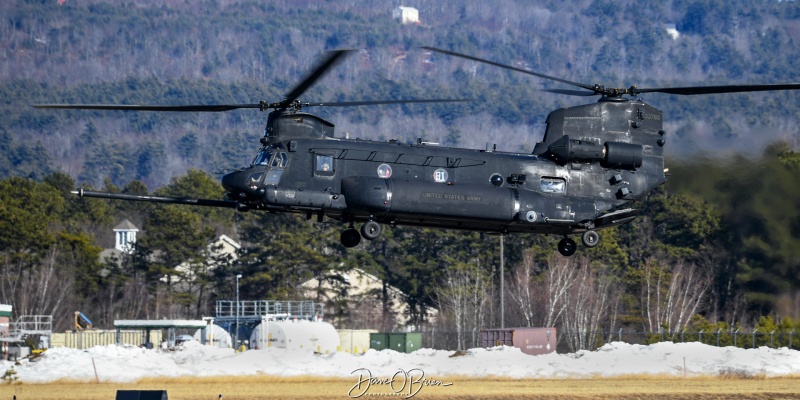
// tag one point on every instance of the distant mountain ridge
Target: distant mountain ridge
(206, 52)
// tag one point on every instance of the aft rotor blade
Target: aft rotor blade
(552, 78)
(186, 108)
(378, 102)
(692, 90)
(332, 58)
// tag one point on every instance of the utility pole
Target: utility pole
(502, 286)
(236, 332)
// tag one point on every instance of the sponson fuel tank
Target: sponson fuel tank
(397, 196)
(376, 195)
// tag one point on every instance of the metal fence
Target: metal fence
(448, 340)
(736, 338)
(290, 308)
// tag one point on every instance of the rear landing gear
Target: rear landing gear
(590, 239)
(567, 246)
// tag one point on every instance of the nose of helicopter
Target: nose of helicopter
(233, 182)
(244, 183)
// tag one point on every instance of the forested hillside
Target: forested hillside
(724, 233)
(176, 52)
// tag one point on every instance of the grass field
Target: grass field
(270, 387)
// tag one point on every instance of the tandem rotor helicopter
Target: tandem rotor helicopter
(593, 161)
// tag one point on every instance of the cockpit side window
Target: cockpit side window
(553, 185)
(323, 165)
(280, 160)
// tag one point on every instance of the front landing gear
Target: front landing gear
(567, 247)
(371, 230)
(350, 237)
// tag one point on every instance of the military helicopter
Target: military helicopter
(593, 161)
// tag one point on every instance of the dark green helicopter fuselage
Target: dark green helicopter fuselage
(593, 161)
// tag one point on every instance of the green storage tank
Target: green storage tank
(379, 341)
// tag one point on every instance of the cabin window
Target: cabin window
(323, 165)
(553, 185)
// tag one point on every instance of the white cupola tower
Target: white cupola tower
(125, 234)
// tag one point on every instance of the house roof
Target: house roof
(126, 225)
(358, 279)
(228, 240)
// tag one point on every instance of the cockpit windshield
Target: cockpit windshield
(265, 154)
(263, 157)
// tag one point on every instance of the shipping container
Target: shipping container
(354, 341)
(5, 320)
(97, 337)
(533, 341)
(405, 342)
(401, 342)
(379, 341)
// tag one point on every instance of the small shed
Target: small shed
(147, 326)
(406, 15)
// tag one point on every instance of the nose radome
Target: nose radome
(232, 182)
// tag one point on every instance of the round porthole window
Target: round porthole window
(496, 179)
(384, 171)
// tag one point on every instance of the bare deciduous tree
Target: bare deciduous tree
(592, 300)
(542, 293)
(670, 298)
(463, 297)
(42, 288)
(522, 289)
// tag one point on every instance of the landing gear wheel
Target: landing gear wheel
(567, 247)
(350, 238)
(590, 239)
(371, 230)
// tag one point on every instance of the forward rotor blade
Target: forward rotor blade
(186, 108)
(378, 102)
(569, 92)
(156, 199)
(332, 58)
(552, 78)
(692, 90)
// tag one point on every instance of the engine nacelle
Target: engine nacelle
(611, 154)
(623, 155)
(565, 150)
